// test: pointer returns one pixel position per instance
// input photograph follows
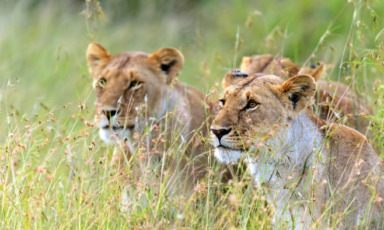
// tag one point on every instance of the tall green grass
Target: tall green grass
(55, 171)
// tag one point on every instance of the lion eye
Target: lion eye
(251, 104)
(135, 84)
(102, 82)
(222, 102)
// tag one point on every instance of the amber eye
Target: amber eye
(102, 82)
(135, 84)
(251, 104)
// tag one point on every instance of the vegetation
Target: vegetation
(55, 171)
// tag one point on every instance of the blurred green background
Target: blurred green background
(43, 43)
(54, 168)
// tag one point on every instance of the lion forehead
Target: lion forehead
(128, 59)
(259, 86)
(269, 79)
(127, 67)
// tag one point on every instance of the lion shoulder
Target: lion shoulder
(349, 150)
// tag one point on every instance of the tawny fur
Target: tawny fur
(314, 169)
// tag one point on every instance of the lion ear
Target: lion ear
(245, 64)
(168, 60)
(97, 58)
(233, 77)
(297, 92)
(316, 71)
(290, 67)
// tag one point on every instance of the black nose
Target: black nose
(220, 132)
(109, 113)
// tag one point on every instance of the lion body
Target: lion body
(314, 170)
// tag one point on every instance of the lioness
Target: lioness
(336, 101)
(137, 91)
(319, 174)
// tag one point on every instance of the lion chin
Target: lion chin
(113, 135)
(227, 155)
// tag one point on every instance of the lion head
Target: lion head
(279, 66)
(127, 81)
(254, 105)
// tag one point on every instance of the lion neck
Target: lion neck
(288, 152)
(170, 104)
(176, 101)
(171, 115)
(301, 136)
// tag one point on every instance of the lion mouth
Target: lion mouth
(220, 146)
(224, 147)
(115, 127)
(112, 127)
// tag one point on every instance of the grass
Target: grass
(55, 171)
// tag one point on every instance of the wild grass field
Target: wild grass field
(55, 171)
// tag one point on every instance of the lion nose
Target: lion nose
(109, 113)
(219, 133)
